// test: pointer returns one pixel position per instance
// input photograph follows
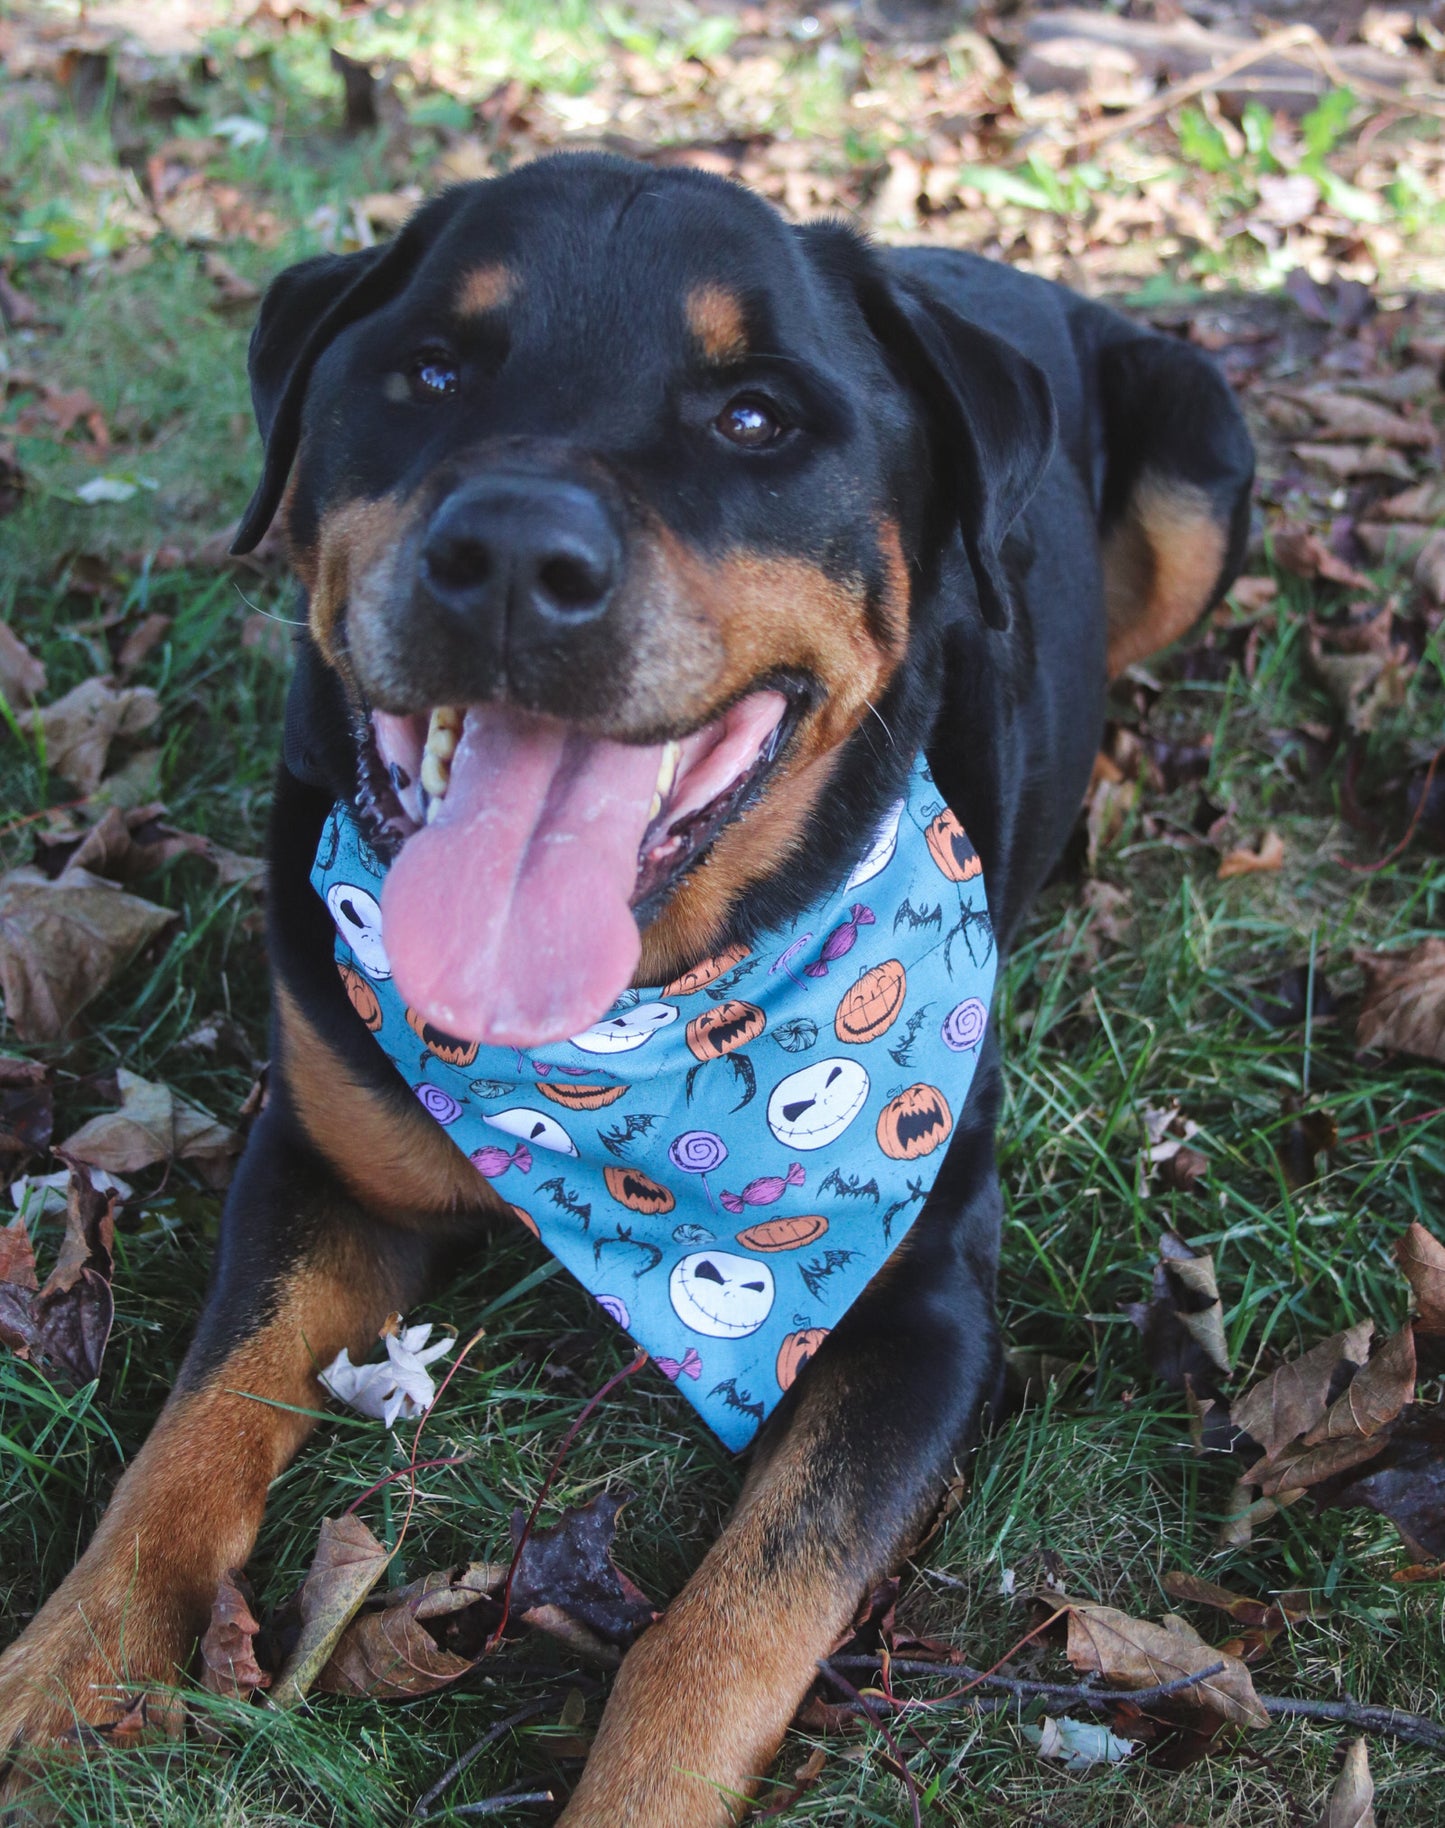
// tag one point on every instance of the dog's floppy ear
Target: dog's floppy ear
(990, 408)
(305, 309)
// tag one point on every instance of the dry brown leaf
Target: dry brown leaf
(348, 1563)
(1182, 1323)
(390, 1655)
(22, 676)
(1291, 1400)
(1430, 567)
(1307, 556)
(79, 729)
(1254, 594)
(1404, 1004)
(1351, 1430)
(1269, 855)
(1421, 1256)
(1133, 1653)
(232, 290)
(1361, 665)
(228, 1649)
(153, 1125)
(17, 1257)
(1344, 462)
(62, 942)
(1352, 1800)
(65, 1324)
(1347, 416)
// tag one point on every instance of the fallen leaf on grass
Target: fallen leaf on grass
(62, 942)
(1132, 1653)
(1294, 1398)
(1404, 1004)
(1268, 855)
(390, 1655)
(228, 1649)
(1182, 1323)
(1078, 1744)
(1361, 665)
(1422, 1258)
(1262, 1621)
(567, 1573)
(233, 292)
(22, 676)
(1307, 556)
(27, 1109)
(63, 1326)
(1404, 1482)
(79, 729)
(154, 1125)
(1352, 1800)
(348, 1563)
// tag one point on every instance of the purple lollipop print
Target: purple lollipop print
(437, 1103)
(963, 1026)
(841, 940)
(615, 1308)
(698, 1152)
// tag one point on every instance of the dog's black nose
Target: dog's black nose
(536, 550)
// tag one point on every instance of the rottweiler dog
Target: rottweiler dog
(596, 474)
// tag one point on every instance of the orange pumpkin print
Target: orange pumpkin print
(527, 1220)
(872, 1005)
(795, 1352)
(950, 848)
(914, 1123)
(582, 1097)
(437, 1041)
(362, 997)
(637, 1191)
(707, 972)
(719, 1030)
(783, 1234)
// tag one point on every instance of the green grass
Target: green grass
(1102, 1480)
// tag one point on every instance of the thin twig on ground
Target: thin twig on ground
(544, 1703)
(506, 1799)
(866, 1704)
(1388, 1722)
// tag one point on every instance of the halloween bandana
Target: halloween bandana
(726, 1160)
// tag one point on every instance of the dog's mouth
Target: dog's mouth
(525, 854)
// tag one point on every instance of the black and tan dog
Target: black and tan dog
(616, 448)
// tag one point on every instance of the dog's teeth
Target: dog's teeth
(435, 776)
(444, 732)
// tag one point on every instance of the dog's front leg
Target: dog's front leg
(842, 1485)
(302, 1271)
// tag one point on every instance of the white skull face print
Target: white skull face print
(358, 920)
(879, 853)
(629, 1028)
(720, 1294)
(535, 1127)
(812, 1108)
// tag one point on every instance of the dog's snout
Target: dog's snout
(537, 552)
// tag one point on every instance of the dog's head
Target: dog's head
(628, 517)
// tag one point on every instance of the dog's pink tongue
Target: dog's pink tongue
(506, 920)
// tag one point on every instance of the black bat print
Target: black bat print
(563, 1196)
(918, 917)
(624, 1237)
(849, 1187)
(970, 919)
(916, 1191)
(725, 986)
(621, 1136)
(738, 1399)
(742, 1069)
(903, 1053)
(816, 1273)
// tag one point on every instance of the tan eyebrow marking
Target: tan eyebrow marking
(484, 288)
(715, 318)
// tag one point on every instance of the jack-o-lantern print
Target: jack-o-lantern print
(795, 1352)
(638, 1191)
(872, 1005)
(914, 1123)
(581, 1097)
(707, 972)
(449, 1048)
(362, 997)
(719, 1030)
(951, 848)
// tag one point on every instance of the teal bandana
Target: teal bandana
(727, 1160)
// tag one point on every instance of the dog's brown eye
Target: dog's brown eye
(434, 374)
(748, 422)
